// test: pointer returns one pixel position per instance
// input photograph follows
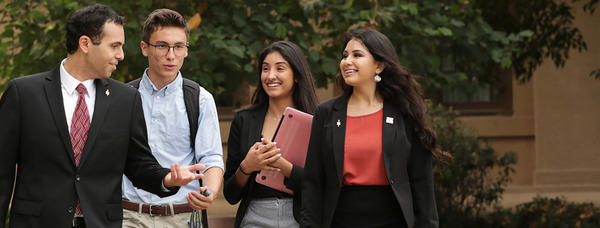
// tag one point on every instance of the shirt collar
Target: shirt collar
(69, 83)
(147, 84)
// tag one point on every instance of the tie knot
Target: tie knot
(80, 89)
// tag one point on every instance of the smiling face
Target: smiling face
(165, 66)
(358, 66)
(103, 58)
(277, 76)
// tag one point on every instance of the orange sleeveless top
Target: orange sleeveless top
(363, 157)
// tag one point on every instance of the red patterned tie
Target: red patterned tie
(79, 130)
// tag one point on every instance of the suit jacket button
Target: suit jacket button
(70, 210)
(77, 178)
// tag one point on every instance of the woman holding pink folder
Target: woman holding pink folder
(285, 81)
(369, 162)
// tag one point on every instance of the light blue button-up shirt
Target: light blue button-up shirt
(169, 135)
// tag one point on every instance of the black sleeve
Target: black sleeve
(294, 182)
(235, 155)
(420, 175)
(9, 144)
(141, 167)
(312, 186)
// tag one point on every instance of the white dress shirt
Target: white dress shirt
(70, 95)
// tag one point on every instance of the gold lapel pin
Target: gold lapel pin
(107, 92)
(338, 123)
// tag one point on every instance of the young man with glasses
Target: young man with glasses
(171, 126)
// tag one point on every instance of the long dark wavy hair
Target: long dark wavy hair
(397, 85)
(303, 91)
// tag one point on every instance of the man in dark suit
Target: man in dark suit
(72, 132)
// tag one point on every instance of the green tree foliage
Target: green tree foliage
(555, 212)
(554, 32)
(447, 43)
(232, 34)
(455, 43)
(545, 212)
(471, 183)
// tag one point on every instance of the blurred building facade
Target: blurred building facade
(554, 127)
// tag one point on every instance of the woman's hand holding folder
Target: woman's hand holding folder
(260, 157)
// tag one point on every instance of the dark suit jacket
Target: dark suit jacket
(408, 166)
(246, 130)
(34, 136)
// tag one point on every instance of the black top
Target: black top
(245, 130)
(260, 192)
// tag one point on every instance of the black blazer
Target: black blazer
(34, 136)
(408, 166)
(246, 130)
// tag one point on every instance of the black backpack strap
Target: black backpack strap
(191, 96)
(135, 83)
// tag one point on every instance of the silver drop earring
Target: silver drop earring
(377, 78)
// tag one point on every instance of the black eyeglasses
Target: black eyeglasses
(163, 49)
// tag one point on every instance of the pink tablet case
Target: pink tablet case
(292, 136)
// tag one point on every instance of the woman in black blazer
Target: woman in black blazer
(285, 80)
(382, 176)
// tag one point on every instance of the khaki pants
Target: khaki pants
(134, 219)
